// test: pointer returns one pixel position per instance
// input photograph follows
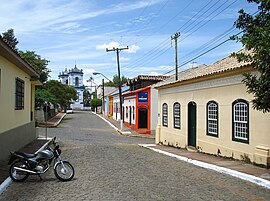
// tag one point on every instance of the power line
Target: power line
(152, 55)
(164, 49)
(207, 20)
(203, 53)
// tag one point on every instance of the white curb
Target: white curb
(257, 180)
(5, 184)
(113, 126)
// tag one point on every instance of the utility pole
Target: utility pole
(176, 35)
(103, 105)
(119, 77)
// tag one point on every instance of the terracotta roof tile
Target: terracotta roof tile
(226, 64)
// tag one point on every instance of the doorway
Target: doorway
(192, 124)
(143, 118)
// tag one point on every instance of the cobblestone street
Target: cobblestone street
(109, 166)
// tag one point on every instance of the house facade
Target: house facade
(74, 77)
(208, 109)
(140, 104)
(17, 100)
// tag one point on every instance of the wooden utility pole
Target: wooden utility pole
(103, 98)
(176, 35)
(119, 77)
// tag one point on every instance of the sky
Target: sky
(77, 32)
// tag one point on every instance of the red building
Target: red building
(140, 104)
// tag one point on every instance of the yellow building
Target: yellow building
(17, 94)
(208, 109)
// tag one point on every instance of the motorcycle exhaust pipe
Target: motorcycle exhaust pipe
(25, 170)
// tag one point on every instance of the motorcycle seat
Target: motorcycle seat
(25, 154)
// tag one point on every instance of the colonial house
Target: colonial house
(74, 77)
(17, 98)
(114, 103)
(209, 110)
(104, 95)
(140, 103)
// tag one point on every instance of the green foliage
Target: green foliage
(10, 38)
(86, 97)
(55, 93)
(95, 102)
(115, 81)
(42, 96)
(39, 64)
(256, 37)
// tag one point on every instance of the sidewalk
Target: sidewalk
(236, 168)
(54, 121)
(126, 131)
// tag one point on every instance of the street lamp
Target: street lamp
(98, 73)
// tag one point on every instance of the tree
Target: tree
(39, 64)
(10, 38)
(95, 102)
(86, 97)
(43, 95)
(35, 60)
(115, 81)
(256, 37)
(63, 94)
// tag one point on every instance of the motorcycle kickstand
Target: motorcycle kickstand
(40, 177)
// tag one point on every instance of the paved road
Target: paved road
(113, 167)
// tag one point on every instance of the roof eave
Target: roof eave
(239, 70)
(14, 58)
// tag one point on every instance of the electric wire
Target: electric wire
(156, 53)
(186, 62)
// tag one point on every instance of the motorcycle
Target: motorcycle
(23, 164)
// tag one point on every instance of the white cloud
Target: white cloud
(133, 48)
(113, 44)
(121, 59)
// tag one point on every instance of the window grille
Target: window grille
(19, 94)
(176, 115)
(212, 118)
(165, 115)
(240, 121)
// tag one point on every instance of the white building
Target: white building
(74, 77)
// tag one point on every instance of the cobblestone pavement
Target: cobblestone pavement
(113, 167)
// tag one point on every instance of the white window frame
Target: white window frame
(212, 118)
(165, 114)
(240, 121)
(177, 115)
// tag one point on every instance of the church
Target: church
(74, 77)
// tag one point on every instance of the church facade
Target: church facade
(74, 77)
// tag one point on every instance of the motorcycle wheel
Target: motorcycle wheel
(17, 175)
(64, 172)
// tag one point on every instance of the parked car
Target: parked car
(69, 111)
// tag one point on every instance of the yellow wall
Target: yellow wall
(9, 117)
(224, 95)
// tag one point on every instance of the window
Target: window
(126, 112)
(212, 118)
(76, 81)
(176, 115)
(240, 121)
(165, 114)
(19, 94)
(133, 112)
